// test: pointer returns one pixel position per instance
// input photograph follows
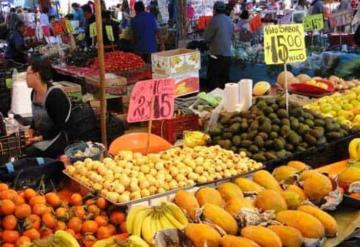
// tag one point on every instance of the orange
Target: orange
(112, 229)
(75, 224)
(29, 193)
(22, 240)
(7, 206)
(22, 211)
(46, 232)
(103, 232)
(3, 187)
(40, 209)
(9, 222)
(123, 227)
(33, 234)
(18, 200)
(49, 220)
(90, 202)
(10, 236)
(79, 211)
(101, 220)
(117, 217)
(7, 245)
(33, 221)
(93, 209)
(36, 200)
(61, 226)
(53, 199)
(76, 199)
(62, 213)
(8, 194)
(89, 226)
(101, 203)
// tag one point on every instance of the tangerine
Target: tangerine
(22, 211)
(9, 222)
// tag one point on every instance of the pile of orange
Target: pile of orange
(28, 215)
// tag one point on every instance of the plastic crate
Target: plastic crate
(172, 129)
(12, 146)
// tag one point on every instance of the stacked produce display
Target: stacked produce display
(131, 176)
(267, 131)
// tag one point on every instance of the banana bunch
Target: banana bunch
(195, 138)
(59, 239)
(132, 241)
(354, 149)
(145, 221)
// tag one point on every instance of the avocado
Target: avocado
(278, 144)
(276, 121)
(225, 144)
(300, 149)
(236, 140)
(285, 130)
(273, 116)
(252, 134)
(244, 136)
(235, 120)
(269, 144)
(319, 122)
(317, 132)
(244, 125)
(285, 121)
(322, 140)
(294, 138)
(270, 156)
(253, 149)
(275, 107)
(217, 130)
(309, 122)
(310, 139)
(261, 104)
(267, 110)
(263, 135)
(235, 127)
(289, 146)
(333, 135)
(227, 135)
(296, 112)
(259, 141)
(266, 127)
(303, 129)
(281, 102)
(281, 154)
(259, 157)
(275, 128)
(282, 113)
(245, 143)
(294, 123)
(273, 135)
(254, 125)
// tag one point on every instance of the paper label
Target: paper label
(92, 30)
(284, 44)
(160, 91)
(109, 33)
(313, 22)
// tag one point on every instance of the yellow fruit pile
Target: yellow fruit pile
(223, 205)
(131, 176)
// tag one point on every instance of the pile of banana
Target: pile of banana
(147, 221)
(59, 239)
(354, 149)
(195, 138)
(132, 241)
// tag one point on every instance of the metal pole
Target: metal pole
(100, 45)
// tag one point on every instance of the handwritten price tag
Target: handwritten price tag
(109, 33)
(341, 18)
(313, 22)
(158, 93)
(92, 30)
(284, 44)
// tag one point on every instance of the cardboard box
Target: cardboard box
(175, 61)
(68, 87)
(114, 84)
(186, 83)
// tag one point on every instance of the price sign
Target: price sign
(313, 22)
(341, 18)
(92, 30)
(255, 23)
(284, 44)
(109, 33)
(152, 100)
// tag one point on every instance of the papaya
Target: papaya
(233, 241)
(348, 176)
(326, 219)
(262, 236)
(247, 185)
(298, 190)
(209, 195)
(293, 200)
(220, 217)
(266, 180)
(308, 225)
(202, 235)
(318, 186)
(233, 206)
(290, 236)
(285, 173)
(298, 165)
(229, 191)
(270, 200)
(187, 202)
(307, 174)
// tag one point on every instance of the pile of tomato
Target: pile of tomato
(118, 61)
(28, 215)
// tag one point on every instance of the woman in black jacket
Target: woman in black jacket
(51, 109)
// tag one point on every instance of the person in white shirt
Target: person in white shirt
(44, 18)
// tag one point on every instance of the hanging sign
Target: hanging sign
(284, 44)
(341, 18)
(313, 22)
(109, 33)
(255, 23)
(152, 100)
(92, 30)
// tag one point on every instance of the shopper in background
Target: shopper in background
(89, 18)
(51, 110)
(44, 18)
(78, 14)
(219, 37)
(125, 14)
(12, 19)
(109, 21)
(15, 49)
(273, 5)
(316, 7)
(145, 30)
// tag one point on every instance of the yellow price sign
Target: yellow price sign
(109, 33)
(92, 30)
(313, 22)
(284, 44)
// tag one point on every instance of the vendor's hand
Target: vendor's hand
(34, 139)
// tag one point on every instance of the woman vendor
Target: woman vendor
(51, 109)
